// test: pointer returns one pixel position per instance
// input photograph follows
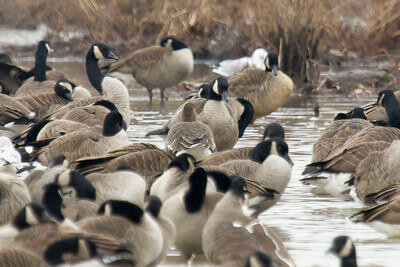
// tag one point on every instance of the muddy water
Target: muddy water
(307, 223)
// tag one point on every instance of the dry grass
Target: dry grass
(222, 28)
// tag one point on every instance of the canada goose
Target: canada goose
(40, 82)
(343, 247)
(189, 211)
(377, 171)
(123, 184)
(271, 130)
(190, 135)
(83, 143)
(74, 250)
(145, 159)
(129, 224)
(12, 76)
(230, 67)
(112, 89)
(229, 236)
(167, 227)
(259, 259)
(267, 90)
(179, 169)
(157, 66)
(270, 167)
(44, 103)
(242, 109)
(13, 196)
(37, 179)
(384, 218)
(345, 143)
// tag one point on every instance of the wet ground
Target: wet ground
(307, 223)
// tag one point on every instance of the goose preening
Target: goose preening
(343, 247)
(266, 90)
(189, 210)
(190, 135)
(160, 66)
(229, 236)
(230, 67)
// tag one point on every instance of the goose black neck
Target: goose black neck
(53, 201)
(93, 71)
(349, 261)
(40, 64)
(392, 109)
(194, 197)
(246, 117)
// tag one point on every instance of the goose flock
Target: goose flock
(75, 190)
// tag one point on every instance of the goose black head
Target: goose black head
(238, 187)
(221, 180)
(58, 160)
(344, 248)
(194, 197)
(101, 51)
(78, 249)
(183, 162)
(388, 100)
(154, 206)
(44, 47)
(173, 43)
(203, 90)
(113, 124)
(219, 89)
(123, 209)
(272, 63)
(274, 130)
(358, 113)
(53, 201)
(84, 189)
(5, 58)
(340, 116)
(259, 259)
(31, 215)
(273, 146)
(64, 89)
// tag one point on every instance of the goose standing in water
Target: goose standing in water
(160, 66)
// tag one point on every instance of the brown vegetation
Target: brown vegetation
(222, 28)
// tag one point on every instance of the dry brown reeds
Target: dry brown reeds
(222, 28)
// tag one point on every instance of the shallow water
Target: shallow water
(307, 223)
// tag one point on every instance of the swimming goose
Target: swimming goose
(271, 130)
(160, 66)
(179, 169)
(39, 83)
(167, 227)
(343, 247)
(189, 210)
(269, 167)
(13, 196)
(342, 147)
(123, 184)
(129, 224)
(229, 236)
(377, 171)
(37, 179)
(267, 90)
(94, 141)
(145, 159)
(384, 218)
(190, 135)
